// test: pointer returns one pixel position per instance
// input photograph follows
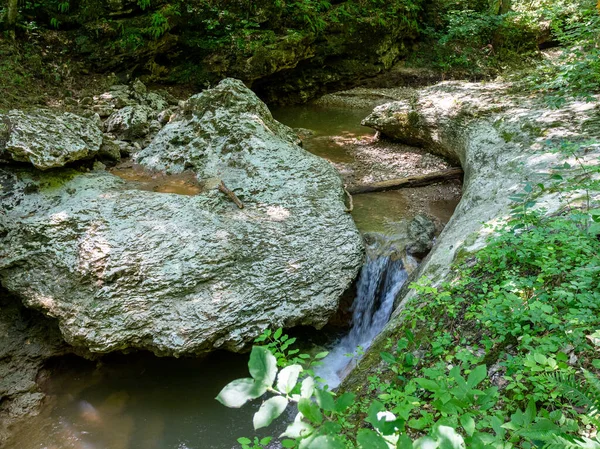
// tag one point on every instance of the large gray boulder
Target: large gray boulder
(47, 139)
(122, 268)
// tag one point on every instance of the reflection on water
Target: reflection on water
(374, 211)
(182, 184)
(330, 128)
(140, 402)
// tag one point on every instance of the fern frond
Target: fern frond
(593, 392)
(566, 442)
(583, 394)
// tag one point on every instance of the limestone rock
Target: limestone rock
(421, 231)
(49, 139)
(502, 141)
(123, 268)
(130, 123)
(28, 339)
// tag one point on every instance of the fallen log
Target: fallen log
(411, 181)
(232, 196)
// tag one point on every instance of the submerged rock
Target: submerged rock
(48, 139)
(122, 268)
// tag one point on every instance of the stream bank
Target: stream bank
(506, 144)
(83, 403)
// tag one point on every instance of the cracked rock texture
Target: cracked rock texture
(47, 139)
(27, 340)
(122, 268)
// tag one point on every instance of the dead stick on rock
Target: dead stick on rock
(231, 195)
(350, 200)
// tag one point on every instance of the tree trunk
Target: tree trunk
(11, 16)
(501, 6)
(505, 6)
(413, 181)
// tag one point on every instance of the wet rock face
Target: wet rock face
(122, 268)
(48, 139)
(27, 340)
(421, 231)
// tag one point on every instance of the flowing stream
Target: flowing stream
(138, 401)
(379, 283)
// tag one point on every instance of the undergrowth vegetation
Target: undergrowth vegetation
(476, 39)
(504, 355)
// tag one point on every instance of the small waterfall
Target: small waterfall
(379, 282)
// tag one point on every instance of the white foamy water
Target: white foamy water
(379, 282)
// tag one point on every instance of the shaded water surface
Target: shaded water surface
(138, 401)
(329, 128)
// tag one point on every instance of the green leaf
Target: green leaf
(595, 213)
(287, 378)
(476, 376)
(308, 387)
(425, 443)
(270, 410)
(325, 400)
(263, 366)
(324, 442)
(244, 440)
(310, 410)
(468, 424)
(277, 333)
(530, 412)
(367, 439)
(344, 401)
(321, 355)
(298, 429)
(388, 358)
(448, 438)
(372, 413)
(428, 384)
(288, 444)
(237, 393)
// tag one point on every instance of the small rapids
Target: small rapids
(379, 283)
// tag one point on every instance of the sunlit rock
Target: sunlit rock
(121, 268)
(47, 139)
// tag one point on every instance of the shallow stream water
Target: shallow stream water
(138, 401)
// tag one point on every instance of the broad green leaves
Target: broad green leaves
(288, 377)
(262, 366)
(263, 369)
(308, 387)
(240, 391)
(310, 411)
(442, 437)
(367, 439)
(270, 410)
